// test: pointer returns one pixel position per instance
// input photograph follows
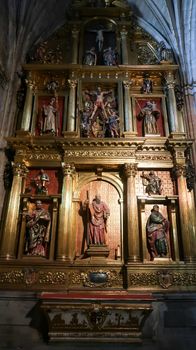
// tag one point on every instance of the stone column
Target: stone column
(65, 214)
(10, 232)
(128, 109)
(27, 112)
(75, 32)
(72, 106)
(187, 214)
(130, 171)
(123, 33)
(173, 115)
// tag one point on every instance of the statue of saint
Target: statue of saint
(109, 57)
(97, 215)
(152, 183)
(90, 57)
(147, 86)
(41, 181)
(149, 114)
(49, 123)
(37, 231)
(157, 230)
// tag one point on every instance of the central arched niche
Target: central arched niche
(111, 196)
(94, 30)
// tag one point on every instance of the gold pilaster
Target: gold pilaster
(27, 113)
(9, 239)
(65, 214)
(123, 33)
(128, 109)
(53, 229)
(71, 107)
(130, 171)
(173, 115)
(185, 216)
(173, 229)
(75, 38)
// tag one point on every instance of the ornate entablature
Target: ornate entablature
(102, 176)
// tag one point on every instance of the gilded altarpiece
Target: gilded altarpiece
(100, 212)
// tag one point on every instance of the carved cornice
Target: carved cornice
(40, 74)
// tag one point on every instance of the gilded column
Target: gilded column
(173, 115)
(72, 106)
(123, 33)
(10, 232)
(27, 112)
(187, 214)
(75, 33)
(130, 171)
(128, 109)
(65, 214)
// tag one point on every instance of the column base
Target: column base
(130, 134)
(23, 133)
(177, 135)
(70, 134)
(133, 259)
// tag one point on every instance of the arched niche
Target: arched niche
(99, 34)
(111, 194)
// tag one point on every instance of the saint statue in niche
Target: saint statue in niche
(157, 231)
(90, 57)
(48, 122)
(147, 86)
(38, 223)
(99, 118)
(41, 182)
(152, 183)
(149, 114)
(97, 214)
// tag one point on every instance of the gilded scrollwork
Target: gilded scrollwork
(53, 278)
(162, 278)
(12, 277)
(44, 156)
(98, 153)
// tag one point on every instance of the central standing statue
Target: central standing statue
(97, 215)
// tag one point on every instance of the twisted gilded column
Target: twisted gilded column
(72, 106)
(130, 171)
(123, 34)
(10, 232)
(75, 38)
(128, 109)
(65, 214)
(187, 214)
(173, 115)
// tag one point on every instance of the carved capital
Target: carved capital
(130, 169)
(127, 84)
(68, 169)
(72, 83)
(75, 32)
(179, 170)
(123, 32)
(20, 169)
(170, 80)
